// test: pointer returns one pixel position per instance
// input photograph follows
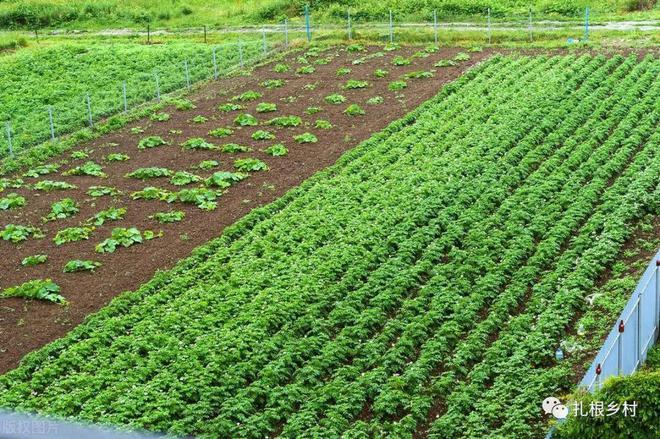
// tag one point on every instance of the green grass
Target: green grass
(178, 13)
(441, 261)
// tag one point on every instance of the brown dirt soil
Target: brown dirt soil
(26, 325)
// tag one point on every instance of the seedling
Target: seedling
(41, 170)
(64, 208)
(234, 148)
(147, 173)
(31, 261)
(400, 61)
(199, 119)
(182, 178)
(335, 99)
(90, 168)
(169, 217)
(266, 107)
(272, 83)
(277, 150)
(305, 70)
(160, 117)
(208, 164)
(354, 110)
(221, 132)
(198, 143)
(110, 214)
(117, 157)
(281, 68)
(49, 185)
(353, 84)
(245, 119)
(247, 96)
(12, 201)
(78, 265)
(306, 138)
(151, 142)
(342, 71)
(397, 85)
(285, 121)
(250, 165)
(323, 124)
(72, 234)
(380, 73)
(226, 108)
(100, 191)
(36, 289)
(263, 135)
(376, 100)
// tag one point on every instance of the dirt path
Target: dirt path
(27, 325)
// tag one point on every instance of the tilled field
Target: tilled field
(301, 91)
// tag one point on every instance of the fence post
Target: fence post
(530, 25)
(185, 65)
(286, 32)
(11, 148)
(263, 41)
(599, 369)
(489, 31)
(52, 125)
(89, 111)
(348, 15)
(123, 92)
(148, 33)
(240, 53)
(435, 26)
(586, 24)
(639, 330)
(657, 297)
(307, 24)
(205, 41)
(157, 86)
(391, 31)
(619, 359)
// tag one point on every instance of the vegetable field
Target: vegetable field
(408, 290)
(62, 77)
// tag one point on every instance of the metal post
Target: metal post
(52, 125)
(435, 26)
(205, 34)
(307, 24)
(36, 34)
(586, 24)
(489, 31)
(263, 41)
(240, 53)
(185, 65)
(148, 33)
(89, 111)
(391, 31)
(639, 330)
(530, 24)
(123, 92)
(619, 359)
(350, 34)
(157, 86)
(599, 370)
(657, 298)
(215, 64)
(286, 32)
(11, 148)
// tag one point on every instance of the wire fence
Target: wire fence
(49, 122)
(635, 332)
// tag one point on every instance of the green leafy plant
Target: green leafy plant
(17, 233)
(355, 47)
(281, 68)
(182, 104)
(208, 164)
(109, 214)
(461, 56)
(335, 99)
(445, 63)
(152, 193)
(80, 155)
(198, 143)
(354, 110)
(380, 73)
(8, 183)
(221, 132)
(343, 71)
(64, 208)
(375, 100)
(250, 165)
(420, 74)
(226, 108)
(277, 150)
(182, 178)
(311, 86)
(234, 148)
(313, 110)
(33, 260)
(224, 179)
(420, 54)
(263, 135)
(305, 70)
(247, 96)
(285, 121)
(72, 234)
(123, 237)
(117, 157)
(400, 61)
(78, 265)
(266, 107)
(203, 198)
(100, 191)
(38, 171)
(272, 83)
(353, 84)
(151, 142)
(49, 185)
(90, 168)
(323, 124)
(36, 289)
(397, 85)
(246, 119)
(169, 217)
(474, 49)
(306, 138)
(147, 173)
(200, 119)
(12, 201)
(137, 130)
(160, 117)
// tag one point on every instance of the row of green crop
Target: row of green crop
(62, 77)
(384, 287)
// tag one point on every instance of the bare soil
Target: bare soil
(26, 325)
